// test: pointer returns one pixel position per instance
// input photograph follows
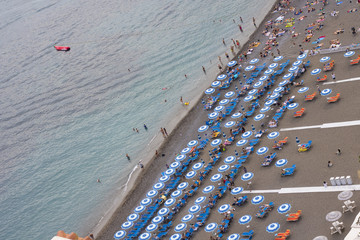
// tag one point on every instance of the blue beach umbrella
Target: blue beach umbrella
(216, 84)
(281, 162)
(241, 142)
(236, 190)
(221, 77)
(278, 89)
(292, 106)
(283, 83)
(192, 143)
(229, 159)
(213, 115)
(208, 189)
(176, 193)
(175, 165)
(180, 227)
(301, 57)
(151, 227)
(249, 68)
(223, 208)
(146, 201)
(248, 98)
(151, 193)
(259, 117)
(194, 209)
(139, 209)
(278, 58)
(180, 157)
(288, 75)
(234, 236)
(184, 151)
(145, 236)
(274, 95)
(326, 92)
(258, 84)
(264, 109)
(127, 225)
(273, 65)
(157, 219)
(224, 102)
(190, 174)
(263, 78)
(216, 142)
(229, 124)
(257, 199)
(211, 227)
(216, 177)
(245, 219)
(159, 185)
(223, 168)
(316, 71)
(253, 61)
(209, 91)
(169, 172)
(284, 208)
(262, 150)
(163, 179)
(219, 108)
(349, 54)
(246, 134)
(325, 59)
(197, 166)
(253, 91)
(187, 218)
(247, 176)
(169, 202)
(293, 69)
(183, 185)
(229, 94)
(269, 71)
(268, 103)
(273, 227)
(273, 135)
(163, 211)
(297, 63)
(203, 128)
(303, 89)
(236, 115)
(232, 63)
(175, 236)
(200, 200)
(120, 234)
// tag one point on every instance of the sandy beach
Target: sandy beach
(311, 166)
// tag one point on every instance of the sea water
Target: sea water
(67, 119)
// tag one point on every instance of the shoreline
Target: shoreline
(136, 177)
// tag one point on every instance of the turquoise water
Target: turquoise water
(66, 118)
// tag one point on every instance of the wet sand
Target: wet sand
(312, 167)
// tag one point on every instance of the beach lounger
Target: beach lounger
(322, 79)
(355, 61)
(288, 171)
(284, 141)
(299, 113)
(293, 217)
(329, 66)
(310, 97)
(307, 64)
(333, 99)
(283, 235)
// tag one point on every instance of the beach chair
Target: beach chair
(355, 61)
(299, 113)
(293, 217)
(298, 84)
(248, 235)
(333, 99)
(310, 97)
(283, 235)
(253, 142)
(304, 147)
(307, 64)
(284, 141)
(322, 79)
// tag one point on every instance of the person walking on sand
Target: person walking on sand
(224, 41)
(254, 22)
(220, 67)
(333, 76)
(128, 157)
(297, 141)
(181, 100)
(318, 88)
(278, 51)
(325, 184)
(241, 20)
(227, 56)
(203, 68)
(245, 170)
(165, 132)
(241, 30)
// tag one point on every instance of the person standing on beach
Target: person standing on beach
(254, 22)
(278, 50)
(220, 67)
(165, 132)
(203, 68)
(241, 30)
(241, 20)
(181, 100)
(333, 76)
(318, 88)
(227, 56)
(224, 41)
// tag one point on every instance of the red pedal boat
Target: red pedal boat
(62, 48)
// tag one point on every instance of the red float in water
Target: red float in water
(62, 48)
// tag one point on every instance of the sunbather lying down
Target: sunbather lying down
(340, 30)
